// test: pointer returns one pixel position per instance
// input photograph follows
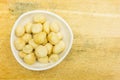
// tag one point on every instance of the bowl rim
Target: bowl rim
(53, 14)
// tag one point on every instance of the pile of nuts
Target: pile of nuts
(39, 41)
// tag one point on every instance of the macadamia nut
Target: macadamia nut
(28, 27)
(40, 18)
(26, 37)
(41, 51)
(36, 28)
(33, 44)
(19, 43)
(19, 31)
(53, 58)
(22, 54)
(43, 59)
(49, 48)
(27, 49)
(54, 27)
(40, 37)
(46, 27)
(30, 59)
(53, 38)
(59, 47)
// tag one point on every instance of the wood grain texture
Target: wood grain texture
(95, 54)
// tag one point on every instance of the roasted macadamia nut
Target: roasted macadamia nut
(28, 27)
(49, 47)
(26, 37)
(40, 18)
(22, 54)
(54, 27)
(43, 59)
(53, 38)
(40, 37)
(19, 43)
(19, 31)
(33, 44)
(30, 59)
(27, 49)
(46, 27)
(59, 47)
(53, 58)
(36, 28)
(41, 51)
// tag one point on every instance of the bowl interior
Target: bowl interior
(64, 29)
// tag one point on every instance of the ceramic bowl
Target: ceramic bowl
(65, 30)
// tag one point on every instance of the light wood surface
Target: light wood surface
(95, 54)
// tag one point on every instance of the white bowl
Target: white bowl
(65, 30)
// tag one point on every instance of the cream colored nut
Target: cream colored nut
(49, 47)
(26, 37)
(36, 28)
(60, 36)
(40, 18)
(22, 54)
(27, 49)
(28, 27)
(33, 44)
(53, 58)
(40, 37)
(45, 42)
(43, 59)
(30, 59)
(19, 43)
(19, 31)
(54, 27)
(46, 27)
(58, 48)
(53, 38)
(41, 51)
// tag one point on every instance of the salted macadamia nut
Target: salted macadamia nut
(58, 48)
(39, 38)
(22, 54)
(30, 59)
(26, 37)
(36, 28)
(19, 43)
(54, 27)
(53, 58)
(27, 49)
(40, 18)
(33, 44)
(28, 27)
(49, 48)
(19, 31)
(53, 38)
(60, 36)
(41, 51)
(46, 27)
(43, 59)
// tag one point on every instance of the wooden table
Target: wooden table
(95, 54)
